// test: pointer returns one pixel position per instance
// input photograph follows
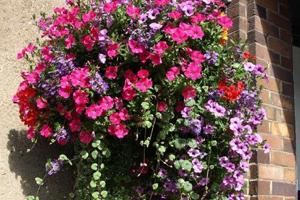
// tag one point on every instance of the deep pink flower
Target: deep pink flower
(65, 92)
(144, 84)
(128, 92)
(197, 57)
(175, 15)
(33, 77)
(197, 32)
(107, 103)
(136, 47)
(41, 103)
(193, 71)
(179, 36)
(93, 111)
(110, 7)
(162, 2)
(189, 93)
(30, 48)
(80, 77)
(173, 73)
(161, 47)
(111, 72)
(87, 17)
(133, 11)
(46, 131)
(162, 106)
(225, 21)
(197, 18)
(86, 137)
(115, 118)
(79, 108)
(119, 130)
(186, 28)
(143, 73)
(130, 76)
(179, 106)
(88, 42)
(144, 56)
(124, 115)
(156, 59)
(95, 33)
(70, 41)
(80, 97)
(113, 50)
(30, 133)
(75, 125)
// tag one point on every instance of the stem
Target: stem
(39, 188)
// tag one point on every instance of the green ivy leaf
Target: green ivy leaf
(93, 184)
(187, 186)
(84, 154)
(97, 175)
(102, 184)
(145, 105)
(195, 195)
(94, 166)
(192, 143)
(187, 165)
(104, 193)
(31, 198)
(39, 181)
(190, 102)
(95, 195)
(180, 143)
(155, 186)
(162, 149)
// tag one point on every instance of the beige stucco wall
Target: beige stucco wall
(18, 168)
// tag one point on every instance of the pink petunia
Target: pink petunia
(115, 118)
(186, 28)
(88, 42)
(193, 71)
(93, 111)
(113, 50)
(95, 32)
(197, 18)
(30, 133)
(107, 103)
(130, 76)
(46, 131)
(162, 2)
(75, 125)
(110, 7)
(197, 57)
(189, 93)
(136, 47)
(70, 41)
(172, 73)
(87, 17)
(162, 106)
(179, 36)
(161, 47)
(128, 92)
(225, 21)
(119, 130)
(143, 73)
(111, 72)
(41, 103)
(175, 15)
(33, 77)
(65, 92)
(124, 115)
(133, 11)
(144, 84)
(144, 56)
(197, 32)
(85, 137)
(80, 97)
(156, 59)
(80, 77)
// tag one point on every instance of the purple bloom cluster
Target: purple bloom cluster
(211, 57)
(54, 166)
(254, 69)
(215, 108)
(98, 84)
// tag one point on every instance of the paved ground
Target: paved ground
(18, 168)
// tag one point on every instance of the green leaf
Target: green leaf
(190, 102)
(95, 154)
(195, 195)
(102, 184)
(214, 143)
(95, 195)
(147, 124)
(96, 143)
(39, 181)
(162, 149)
(84, 154)
(155, 186)
(145, 105)
(180, 143)
(94, 166)
(172, 157)
(177, 164)
(93, 184)
(104, 193)
(97, 175)
(186, 165)
(187, 186)
(30, 197)
(192, 143)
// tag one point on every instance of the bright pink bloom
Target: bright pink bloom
(111, 72)
(156, 59)
(88, 42)
(65, 92)
(128, 92)
(32, 77)
(136, 47)
(133, 11)
(87, 17)
(144, 84)
(118, 103)
(80, 77)
(162, 106)
(30, 48)
(189, 93)
(175, 15)
(86, 137)
(30, 133)
(162, 2)
(130, 76)
(193, 71)
(143, 73)
(172, 73)
(95, 33)
(110, 7)
(107, 103)
(119, 130)
(197, 32)
(197, 57)
(186, 28)
(225, 21)
(170, 28)
(93, 111)
(115, 118)
(41, 103)
(124, 115)
(79, 108)
(161, 47)
(46, 131)
(46, 54)
(113, 50)
(80, 97)
(144, 56)
(75, 125)
(179, 36)
(21, 55)
(197, 18)
(70, 41)
(40, 68)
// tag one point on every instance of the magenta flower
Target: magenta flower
(136, 47)
(46, 131)
(162, 106)
(132, 11)
(113, 50)
(111, 72)
(144, 84)
(193, 71)
(88, 42)
(189, 93)
(172, 73)
(107, 103)
(85, 137)
(161, 47)
(93, 111)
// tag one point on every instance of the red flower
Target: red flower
(231, 93)
(247, 55)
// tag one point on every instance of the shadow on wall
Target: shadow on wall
(27, 166)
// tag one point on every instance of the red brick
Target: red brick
(278, 20)
(289, 145)
(264, 127)
(288, 89)
(257, 36)
(290, 175)
(281, 73)
(282, 101)
(266, 54)
(273, 84)
(283, 159)
(286, 36)
(268, 172)
(259, 187)
(237, 10)
(269, 4)
(283, 189)
(282, 129)
(279, 46)
(274, 141)
(255, 9)
(264, 26)
(287, 117)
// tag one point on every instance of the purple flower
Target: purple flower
(196, 125)
(204, 181)
(244, 166)
(62, 136)
(170, 186)
(187, 7)
(143, 18)
(223, 161)
(102, 58)
(248, 66)
(259, 70)
(185, 113)
(152, 13)
(215, 108)
(162, 173)
(155, 26)
(54, 166)
(197, 166)
(98, 84)
(230, 167)
(266, 148)
(211, 57)
(182, 173)
(208, 129)
(139, 190)
(194, 153)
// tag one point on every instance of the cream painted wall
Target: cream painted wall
(18, 168)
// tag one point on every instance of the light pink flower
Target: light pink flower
(136, 47)
(107, 103)
(115, 118)
(175, 15)
(173, 73)
(133, 11)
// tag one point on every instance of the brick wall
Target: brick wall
(267, 26)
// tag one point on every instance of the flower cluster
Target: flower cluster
(154, 101)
